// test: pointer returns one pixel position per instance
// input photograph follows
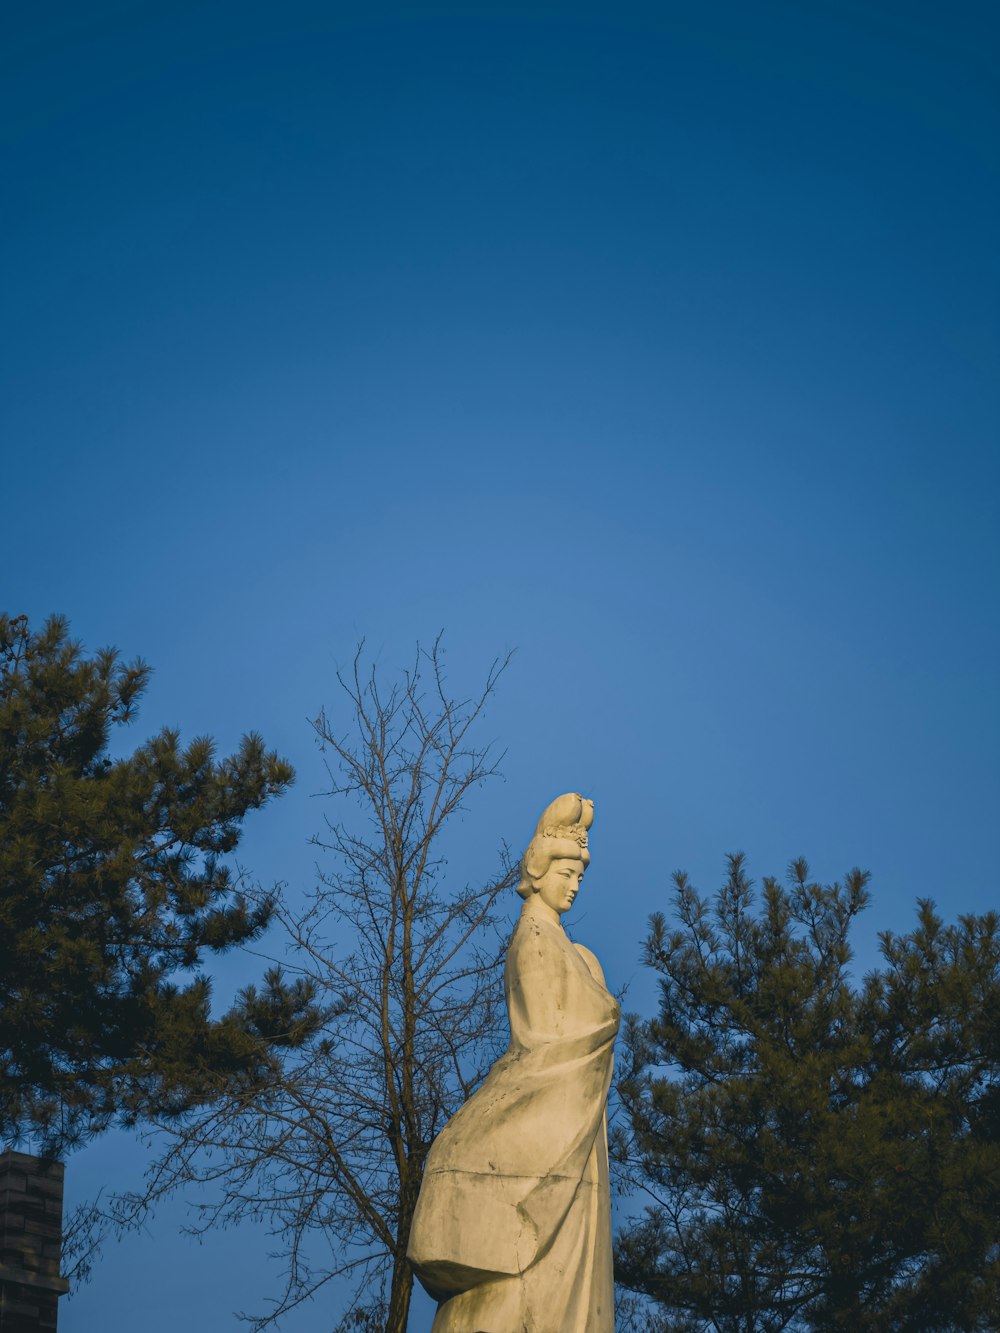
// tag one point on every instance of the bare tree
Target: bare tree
(329, 1147)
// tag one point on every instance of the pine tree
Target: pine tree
(818, 1155)
(113, 887)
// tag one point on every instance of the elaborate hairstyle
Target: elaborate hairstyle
(561, 832)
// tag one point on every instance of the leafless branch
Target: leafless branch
(327, 1148)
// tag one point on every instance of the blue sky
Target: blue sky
(658, 343)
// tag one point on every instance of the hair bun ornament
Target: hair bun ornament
(568, 816)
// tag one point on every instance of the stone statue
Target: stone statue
(512, 1231)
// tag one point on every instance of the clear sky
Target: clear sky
(656, 342)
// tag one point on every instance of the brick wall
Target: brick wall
(31, 1194)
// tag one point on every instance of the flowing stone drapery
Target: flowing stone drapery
(512, 1232)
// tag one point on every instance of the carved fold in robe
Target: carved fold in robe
(512, 1231)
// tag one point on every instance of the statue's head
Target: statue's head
(557, 855)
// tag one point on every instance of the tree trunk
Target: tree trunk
(400, 1291)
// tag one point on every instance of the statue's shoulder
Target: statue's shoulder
(531, 929)
(596, 971)
(535, 939)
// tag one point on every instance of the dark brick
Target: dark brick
(30, 1238)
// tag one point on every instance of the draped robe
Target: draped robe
(512, 1231)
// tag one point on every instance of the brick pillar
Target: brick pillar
(31, 1196)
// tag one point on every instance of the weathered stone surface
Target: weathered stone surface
(513, 1225)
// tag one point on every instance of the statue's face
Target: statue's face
(560, 884)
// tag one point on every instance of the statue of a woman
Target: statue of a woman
(512, 1231)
